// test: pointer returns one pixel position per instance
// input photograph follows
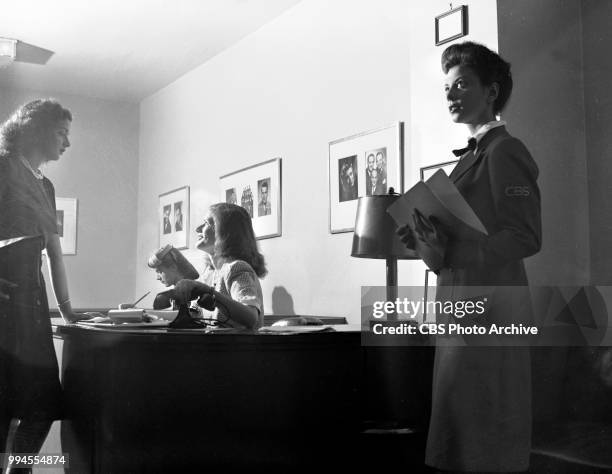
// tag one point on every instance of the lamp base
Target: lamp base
(392, 285)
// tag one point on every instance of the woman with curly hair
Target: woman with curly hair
(231, 279)
(30, 392)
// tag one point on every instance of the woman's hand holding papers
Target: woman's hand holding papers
(427, 237)
(431, 240)
(406, 236)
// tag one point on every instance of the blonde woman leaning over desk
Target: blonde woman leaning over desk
(171, 266)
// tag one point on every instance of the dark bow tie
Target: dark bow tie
(471, 146)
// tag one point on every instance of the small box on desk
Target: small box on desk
(133, 315)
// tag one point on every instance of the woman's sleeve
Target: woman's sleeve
(516, 200)
(243, 285)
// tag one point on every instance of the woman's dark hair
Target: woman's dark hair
(30, 125)
(235, 238)
(487, 64)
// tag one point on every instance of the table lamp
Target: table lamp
(393, 397)
(375, 236)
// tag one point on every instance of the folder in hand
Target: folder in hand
(437, 197)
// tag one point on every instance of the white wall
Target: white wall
(321, 71)
(99, 169)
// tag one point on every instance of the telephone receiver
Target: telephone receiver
(183, 319)
(164, 300)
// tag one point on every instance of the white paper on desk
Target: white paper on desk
(152, 325)
(166, 314)
(131, 315)
(294, 329)
(438, 197)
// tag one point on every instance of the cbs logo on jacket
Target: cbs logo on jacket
(517, 191)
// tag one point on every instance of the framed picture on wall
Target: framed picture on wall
(174, 218)
(452, 25)
(257, 188)
(366, 164)
(447, 167)
(66, 215)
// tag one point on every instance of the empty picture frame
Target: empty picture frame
(366, 164)
(447, 167)
(66, 215)
(451, 25)
(258, 189)
(174, 218)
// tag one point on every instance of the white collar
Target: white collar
(483, 129)
(36, 172)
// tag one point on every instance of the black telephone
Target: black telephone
(164, 300)
(183, 319)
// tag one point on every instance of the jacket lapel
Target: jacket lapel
(470, 159)
(465, 163)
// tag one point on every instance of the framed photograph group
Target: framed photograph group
(257, 188)
(174, 218)
(366, 164)
(66, 215)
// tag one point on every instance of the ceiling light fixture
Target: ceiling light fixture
(8, 51)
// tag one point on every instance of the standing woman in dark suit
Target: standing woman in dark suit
(481, 400)
(30, 392)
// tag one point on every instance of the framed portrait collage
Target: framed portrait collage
(174, 218)
(257, 188)
(366, 164)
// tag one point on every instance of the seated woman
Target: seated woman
(170, 266)
(231, 281)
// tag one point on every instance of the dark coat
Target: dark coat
(29, 376)
(481, 403)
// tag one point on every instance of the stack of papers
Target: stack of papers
(294, 329)
(439, 197)
(110, 324)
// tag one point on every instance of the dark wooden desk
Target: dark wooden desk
(269, 319)
(166, 401)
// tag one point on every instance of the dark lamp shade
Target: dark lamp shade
(375, 235)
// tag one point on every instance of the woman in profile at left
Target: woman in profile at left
(30, 391)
